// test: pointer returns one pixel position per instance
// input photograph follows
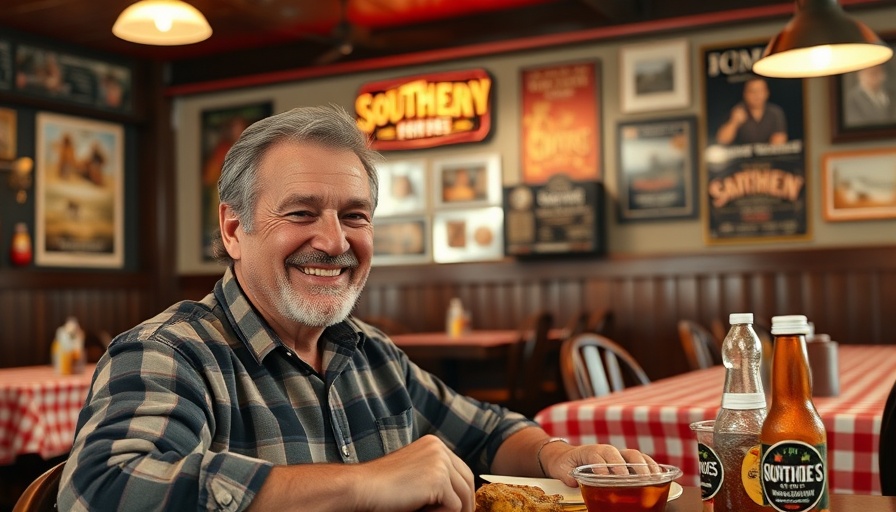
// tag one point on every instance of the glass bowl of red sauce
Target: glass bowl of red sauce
(625, 487)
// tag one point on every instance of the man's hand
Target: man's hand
(738, 115)
(562, 459)
(425, 475)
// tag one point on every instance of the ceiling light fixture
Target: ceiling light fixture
(162, 22)
(820, 40)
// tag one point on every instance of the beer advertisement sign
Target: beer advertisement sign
(426, 111)
(561, 123)
(755, 153)
(558, 206)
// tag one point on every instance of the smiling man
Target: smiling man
(267, 393)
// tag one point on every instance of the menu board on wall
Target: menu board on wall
(559, 217)
(561, 122)
(755, 153)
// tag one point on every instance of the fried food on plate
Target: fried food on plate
(516, 498)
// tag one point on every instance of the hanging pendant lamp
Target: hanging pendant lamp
(821, 40)
(162, 23)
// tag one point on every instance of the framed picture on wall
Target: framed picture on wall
(58, 75)
(468, 235)
(402, 187)
(755, 154)
(7, 134)
(401, 240)
(220, 129)
(655, 76)
(467, 181)
(863, 103)
(657, 169)
(859, 185)
(560, 122)
(80, 192)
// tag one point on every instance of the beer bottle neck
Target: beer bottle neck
(791, 380)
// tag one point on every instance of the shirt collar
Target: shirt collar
(255, 333)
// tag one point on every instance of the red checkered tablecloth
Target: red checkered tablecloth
(655, 418)
(39, 410)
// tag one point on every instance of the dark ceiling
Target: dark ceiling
(253, 36)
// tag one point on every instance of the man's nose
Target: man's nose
(329, 236)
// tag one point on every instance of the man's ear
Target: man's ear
(230, 230)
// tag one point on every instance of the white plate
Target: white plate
(553, 486)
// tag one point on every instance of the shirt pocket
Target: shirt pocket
(396, 431)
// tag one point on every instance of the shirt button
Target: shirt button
(345, 451)
(288, 353)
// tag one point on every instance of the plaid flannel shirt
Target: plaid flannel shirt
(191, 409)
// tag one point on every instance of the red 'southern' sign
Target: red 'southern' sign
(425, 111)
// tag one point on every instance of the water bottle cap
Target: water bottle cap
(740, 318)
(790, 324)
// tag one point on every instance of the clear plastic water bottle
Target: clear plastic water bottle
(739, 421)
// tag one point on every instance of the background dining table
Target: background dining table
(655, 418)
(39, 410)
(444, 355)
(690, 502)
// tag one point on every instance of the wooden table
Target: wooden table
(444, 355)
(690, 502)
(655, 418)
(39, 410)
(473, 345)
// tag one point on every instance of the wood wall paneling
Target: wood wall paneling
(846, 292)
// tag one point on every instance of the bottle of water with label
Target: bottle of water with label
(739, 421)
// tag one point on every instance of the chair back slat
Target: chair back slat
(700, 346)
(593, 365)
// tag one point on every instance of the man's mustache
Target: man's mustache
(346, 259)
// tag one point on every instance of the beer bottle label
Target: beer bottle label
(794, 476)
(711, 472)
(749, 475)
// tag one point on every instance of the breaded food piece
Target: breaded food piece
(516, 498)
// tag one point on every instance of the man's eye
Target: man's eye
(302, 213)
(357, 216)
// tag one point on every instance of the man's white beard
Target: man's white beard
(335, 306)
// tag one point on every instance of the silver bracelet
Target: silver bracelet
(538, 453)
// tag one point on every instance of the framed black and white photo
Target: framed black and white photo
(655, 76)
(402, 187)
(863, 103)
(467, 181)
(657, 169)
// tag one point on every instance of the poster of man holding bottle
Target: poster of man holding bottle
(754, 150)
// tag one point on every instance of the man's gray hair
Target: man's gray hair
(330, 126)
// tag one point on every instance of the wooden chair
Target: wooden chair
(533, 374)
(40, 495)
(599, 321)
(593, 365)
(887, 450)
(700, 346)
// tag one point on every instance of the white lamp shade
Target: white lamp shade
(822, 60)
(821, 40)
(162, 22)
